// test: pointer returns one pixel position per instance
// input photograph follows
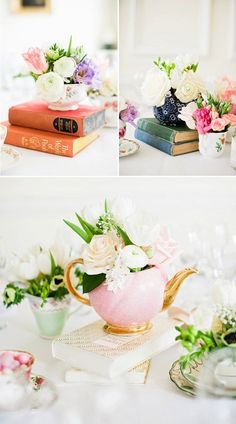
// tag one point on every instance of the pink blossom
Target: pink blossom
(122, 132)
(214, 115)
(165, 248)
(218, 124)
(203, 120)
(36, 61)
(230, 118)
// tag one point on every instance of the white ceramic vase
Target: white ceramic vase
(74, 95)
(212, 145)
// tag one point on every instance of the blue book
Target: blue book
(166, 146)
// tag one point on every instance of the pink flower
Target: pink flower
(165, 248)
(203, 120)
(36, 61)
(122, 132)
(218, 124)
(214, 115)
(230, 118)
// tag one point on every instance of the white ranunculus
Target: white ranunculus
(184, 61)
(155, 87)
(100, 254)
(141, 228)
(65, 66)
(134, 257)
(61, 253)
(186, 115)
(50, 87)
(189, 87)
(224, 293)
(121, 208)
(91, 213)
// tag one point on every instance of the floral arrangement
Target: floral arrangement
(178, 77)
(40, 273)
(54, 68)
(213, 326)
(127, 114)
(119, 240)
(208, 114)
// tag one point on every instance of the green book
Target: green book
(178, 134)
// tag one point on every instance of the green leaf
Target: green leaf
(90, 282)
(53, 264)
(106, 208)
(124, 236)
(79, 231)
(69, 47)
(89, 228)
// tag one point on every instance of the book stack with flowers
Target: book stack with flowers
(34, 126)
(171, 140)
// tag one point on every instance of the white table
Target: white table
(157, 402)
(151, 161)
(100, 158)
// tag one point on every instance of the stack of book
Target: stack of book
(171, 140)
(33, 126)
(99, 357)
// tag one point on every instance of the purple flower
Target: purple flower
(129, 114)
(86, 72)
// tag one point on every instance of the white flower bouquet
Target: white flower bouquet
(119, 239)
(170, 85)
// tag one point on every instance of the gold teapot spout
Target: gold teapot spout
(173, 285)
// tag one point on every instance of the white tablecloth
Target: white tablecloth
(151, 161)
(157, 402)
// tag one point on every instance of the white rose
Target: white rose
(100, 254)
(50, 87)
(189, 87)
(186, 115)
(141, 228)
(134, 257)
(155, 87)
(65, 66)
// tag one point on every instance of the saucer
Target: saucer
(128, 147)
(9, 158)
(43, 393)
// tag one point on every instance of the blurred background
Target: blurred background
(40, 23)
(152, 28)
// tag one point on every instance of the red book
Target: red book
(80, 122)
(47, 142)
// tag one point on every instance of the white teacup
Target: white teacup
(3, 134)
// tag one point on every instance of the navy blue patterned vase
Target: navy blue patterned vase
(168, 113)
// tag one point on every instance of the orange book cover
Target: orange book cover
(47, 142)
(36, 115)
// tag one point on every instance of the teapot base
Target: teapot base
(132, 329)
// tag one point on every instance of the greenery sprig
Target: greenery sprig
(167, 67)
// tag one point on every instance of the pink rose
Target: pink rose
(36, 61)
(218, 124)
(165, 248)
(203, 120)
(230, 118)
(214, 115)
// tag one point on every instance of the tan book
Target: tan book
(91, 349)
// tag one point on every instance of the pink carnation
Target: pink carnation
(218, 124)
(203, 120)
(36, 61)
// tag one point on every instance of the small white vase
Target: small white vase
(74, 95)
(212, 145)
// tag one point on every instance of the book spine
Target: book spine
(46, 144)
(157, 142)
(157, 130)
(56, 123)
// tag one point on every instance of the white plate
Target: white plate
(128, 147)
(8, 158)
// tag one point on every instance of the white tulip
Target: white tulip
(91, 213)
(61, 253)
(141, 228)
(121, 208)
(134, 257)
(65, 66)
(50, 87)
(155, 87)
(44, 262)
(28, 268)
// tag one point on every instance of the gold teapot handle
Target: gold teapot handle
(69, 284)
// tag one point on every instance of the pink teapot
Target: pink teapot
(131, 309)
